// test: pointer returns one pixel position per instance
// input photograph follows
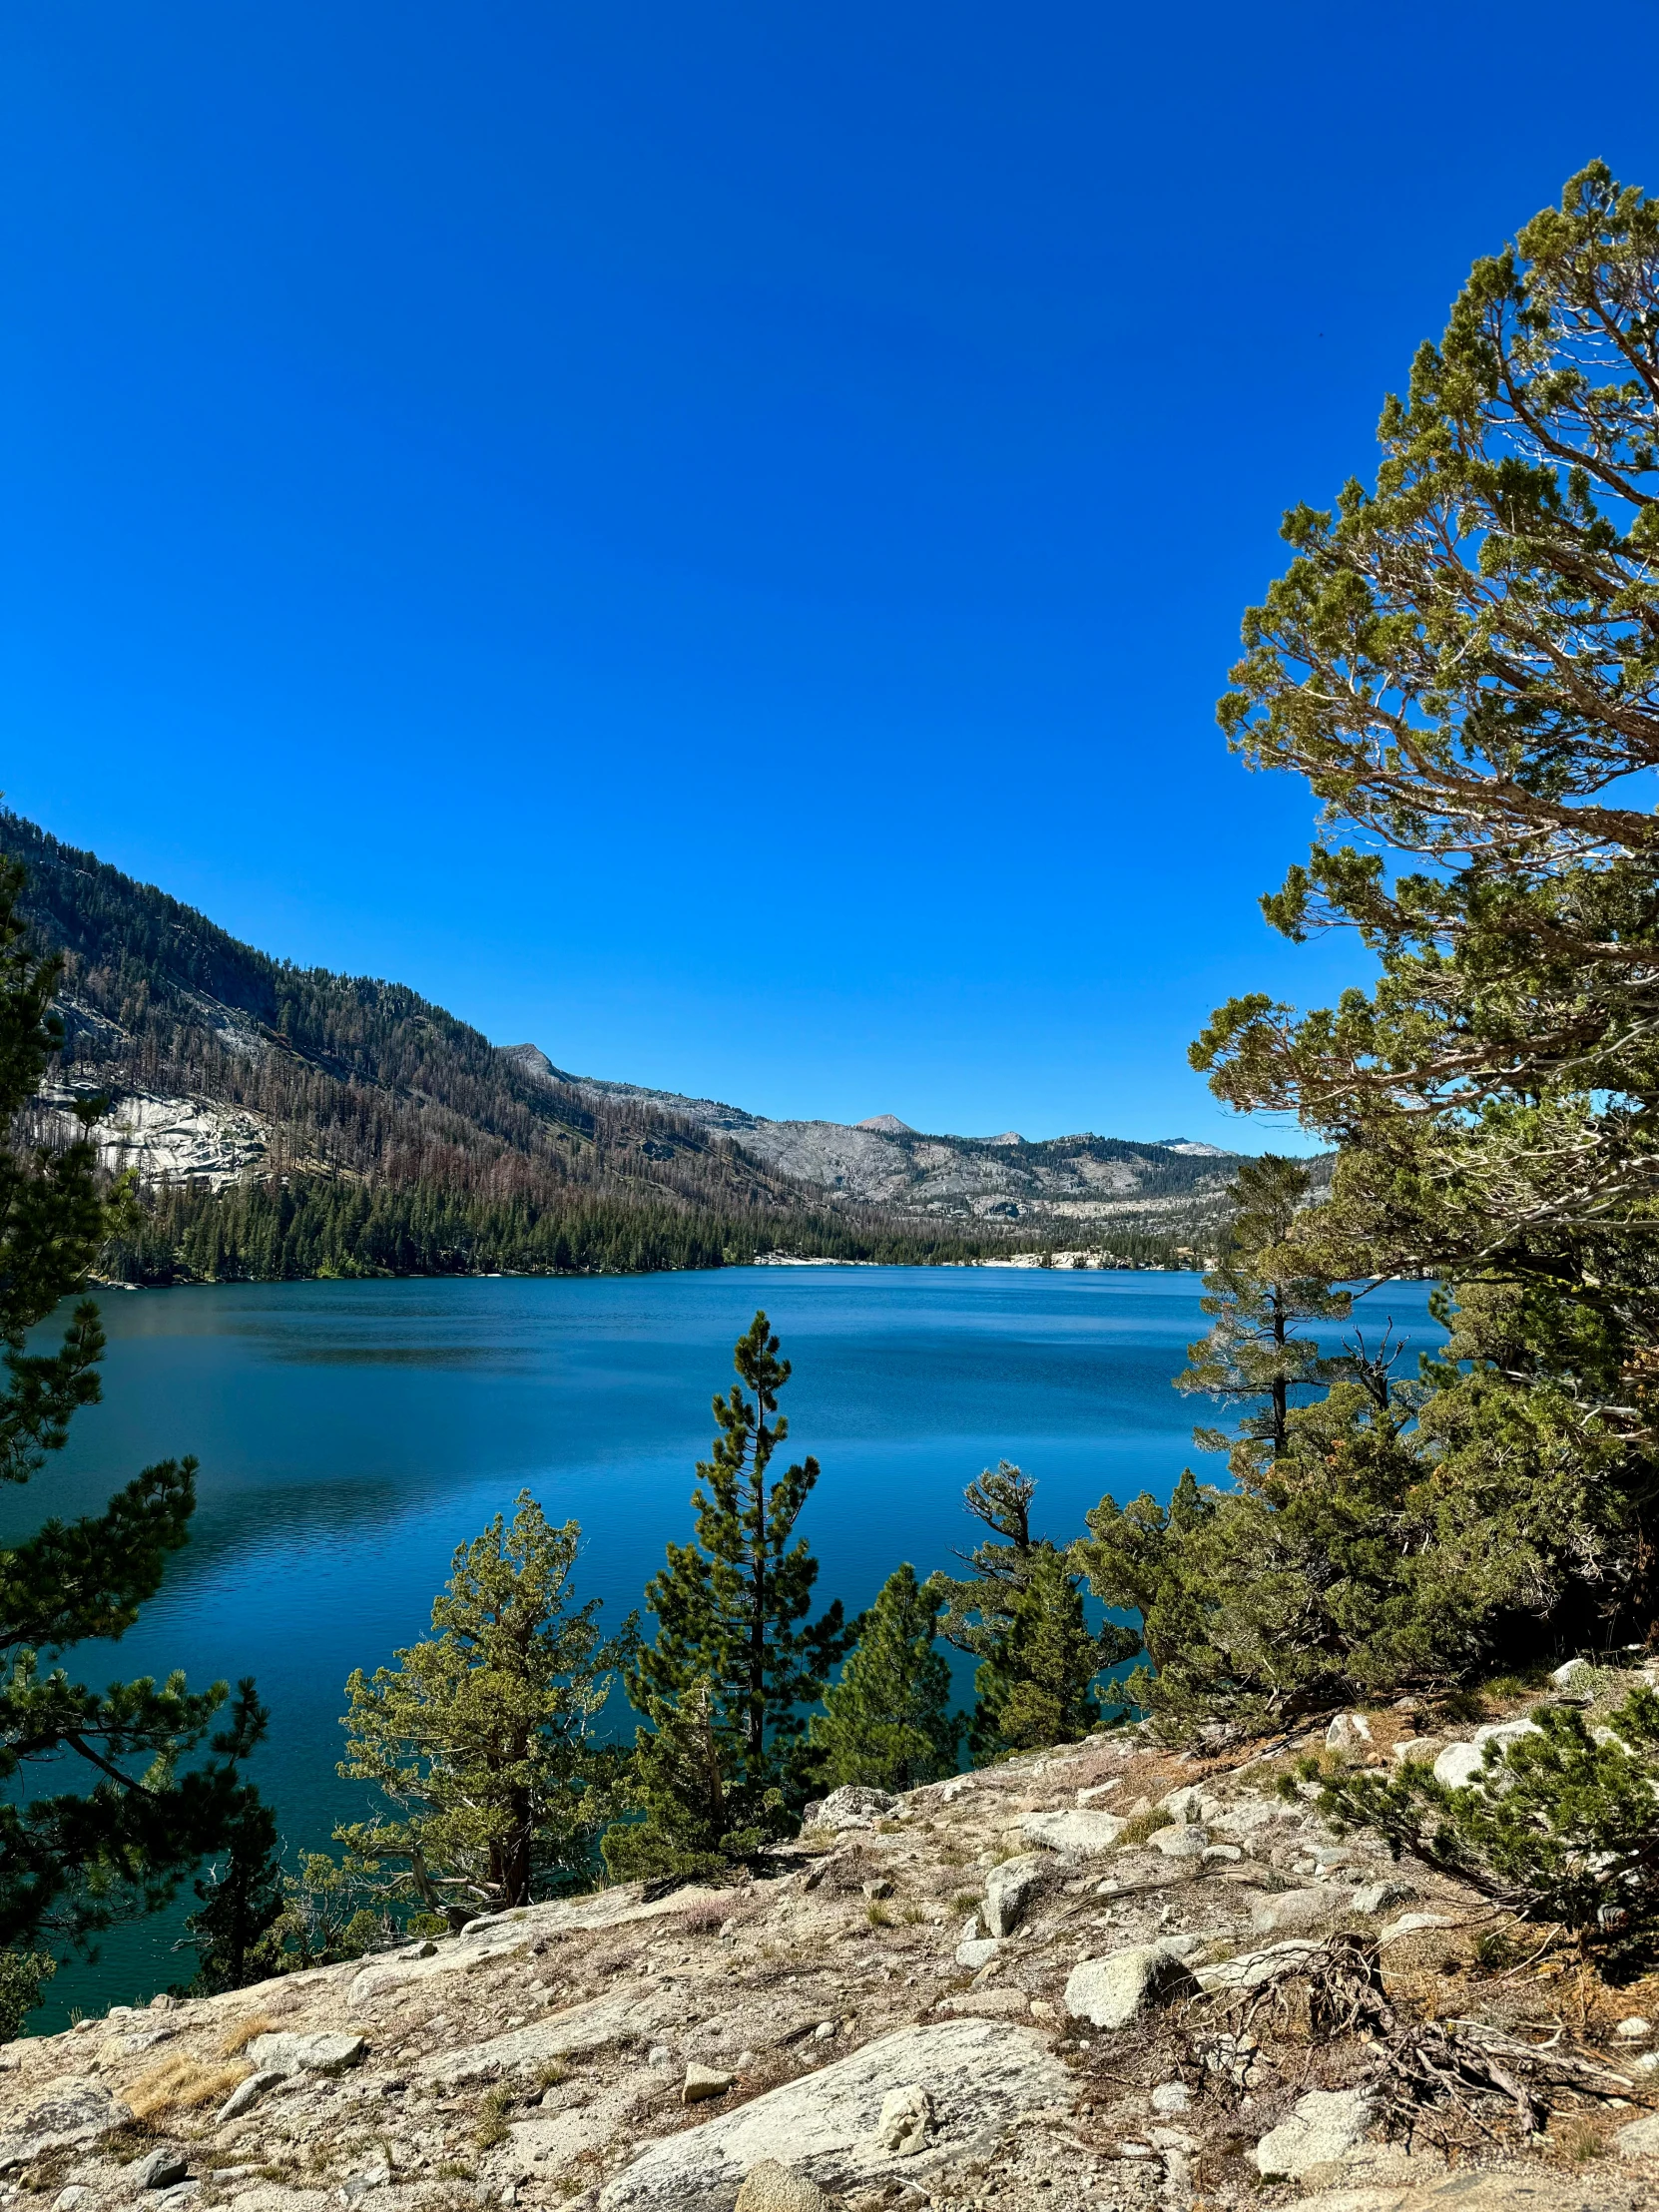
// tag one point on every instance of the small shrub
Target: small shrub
(877, 1915)
(1560, 1829)
(23, 1979)
(492, 2118)
(1495, 1951)
(706, 1916)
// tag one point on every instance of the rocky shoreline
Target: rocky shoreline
(1092, 1978)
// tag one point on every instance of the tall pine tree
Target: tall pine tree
(978, 1605)
(1259, 1294)
(1036, 1685)
(732, 1608)
(161, 1793)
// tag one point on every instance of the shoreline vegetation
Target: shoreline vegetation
(311, 1229)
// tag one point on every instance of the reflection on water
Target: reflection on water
(351, 1434)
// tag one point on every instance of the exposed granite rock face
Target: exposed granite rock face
(320, 2054)
(1325, 2126)
(73, 2112)
(1088, 1835)
(1012, 1888)
(620, 2018)
(770, 2187)
(909, 2101)
(853, 2050)
(1110, 1992)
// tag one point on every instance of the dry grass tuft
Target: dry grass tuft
(1143, 1825)
(243, 2032)
(706, 1916)
(179, 2083)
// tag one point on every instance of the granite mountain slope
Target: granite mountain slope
(226, 1065)
(1081, 1190)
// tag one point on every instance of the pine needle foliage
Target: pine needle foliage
(1559, 1828)
(1020, 1612)
(1313, 1579)
(885, 1723)
(160, 1792)
(695, 1817)
(1259, 1294)
(732, 1608)
(1461, 661)
(979, 1604)
(1037, 1685)
(480, 1735)
(240, 1898)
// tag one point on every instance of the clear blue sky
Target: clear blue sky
(708, 536)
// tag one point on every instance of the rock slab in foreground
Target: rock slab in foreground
(1085, 1834)
(977, 2074)
(1326, 2125)
(1109, 1993)
(76, 2113)
(774, 2188)
(291, 2054)
(618, 2018)
(1013, 1887)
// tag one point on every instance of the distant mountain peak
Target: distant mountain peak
(1008, 1136)
(887, 1125)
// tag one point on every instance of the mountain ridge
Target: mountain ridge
(247, 1092)
(1084, 1181)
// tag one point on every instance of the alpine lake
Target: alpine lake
(351, 1434)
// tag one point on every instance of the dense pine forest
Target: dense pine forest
(274, 1228)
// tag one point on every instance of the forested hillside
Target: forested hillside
(288, 1120)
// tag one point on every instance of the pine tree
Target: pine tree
(479, 1736)
(71, 1862)
(732, 1608)
(1259, 1294)
(1037, 1687)
(682, 1782)
(884, 1722)
(1459, 661)
(977, 1606)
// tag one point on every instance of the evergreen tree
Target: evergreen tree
(733, 1607)
(71, 1862)
(1460, 662)
(1259, 1293)
(1036, 1686)
(978, 1605)
(1329, 1583)
(1020, 1613)
(884, 1722)
(241, 1901)
(683, 1782)
(479, 1736)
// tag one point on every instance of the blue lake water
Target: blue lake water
(350, 1434)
